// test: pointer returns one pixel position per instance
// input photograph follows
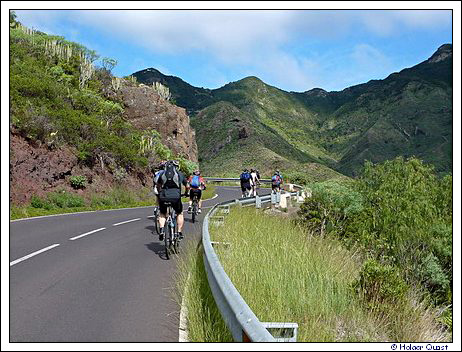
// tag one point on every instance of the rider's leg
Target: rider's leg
(162, 219)
(180, 222)
(178, 207)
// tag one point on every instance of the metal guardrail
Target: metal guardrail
(241, 321)
(218, 179)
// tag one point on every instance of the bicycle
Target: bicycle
(195, 207)
(171, 240)
(156, 219)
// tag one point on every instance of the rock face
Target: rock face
(146, 109)
(36, 169)
(444, 52)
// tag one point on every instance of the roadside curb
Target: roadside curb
(183, 335)
(183, 327)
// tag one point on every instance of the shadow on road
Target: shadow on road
(152, 229)
(157, 248)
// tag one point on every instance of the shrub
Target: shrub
(380, 284)
(120, 174)
(37, 202)
(62, 199)
(78, 182)
(329, 206)
(399, 213)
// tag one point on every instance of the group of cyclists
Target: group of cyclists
(168, 179)
(250, 180)
(167, 187)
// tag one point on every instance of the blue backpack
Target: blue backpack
(276, 180)
(195, 182)
(245, 176)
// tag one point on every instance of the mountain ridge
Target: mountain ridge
(340, 129)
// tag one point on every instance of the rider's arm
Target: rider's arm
(202, 182)
(186, 185)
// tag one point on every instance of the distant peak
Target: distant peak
(444, 52)
(251, 78)
(318, 92)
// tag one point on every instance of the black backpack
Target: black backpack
(171, 186)
(170, 178)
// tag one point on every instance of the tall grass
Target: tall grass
(204, 322)
(286, 277)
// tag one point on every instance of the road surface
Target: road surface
(95, 277)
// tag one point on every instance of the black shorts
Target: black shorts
(273, 187)
(177, 206)
(246, 186)
(195, 191)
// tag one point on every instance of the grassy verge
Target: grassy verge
(294, 279)
(204, 319)
(60, 202)
(297, 278)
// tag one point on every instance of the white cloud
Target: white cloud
(251, 39)
(369, 58)
(391, 22)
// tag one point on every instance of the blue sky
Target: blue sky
(295, 50)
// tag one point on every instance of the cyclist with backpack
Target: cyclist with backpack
(169, 186)
(246, 183)
(196, 184)
(276, 181)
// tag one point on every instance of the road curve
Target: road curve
(94, 277)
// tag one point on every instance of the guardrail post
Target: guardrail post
(283, 201)
(257, 202)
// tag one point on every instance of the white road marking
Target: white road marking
(33, 254)
(216, 195)
(126, 222)
(86, 234)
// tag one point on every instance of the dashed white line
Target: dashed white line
(86, 234)
(126, 222)
(33, 254)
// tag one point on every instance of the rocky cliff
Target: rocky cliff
(145, 109)
(37, 168)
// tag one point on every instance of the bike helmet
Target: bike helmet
(175, 162)
(161, 165)
(196, 173)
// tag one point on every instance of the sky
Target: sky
(295, 50)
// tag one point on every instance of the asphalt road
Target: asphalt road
(95, 277)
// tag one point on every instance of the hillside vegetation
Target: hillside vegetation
(409, 113)
(398, 215)
(68, 129)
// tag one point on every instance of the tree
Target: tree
(109, 63)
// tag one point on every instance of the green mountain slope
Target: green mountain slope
(408, 113)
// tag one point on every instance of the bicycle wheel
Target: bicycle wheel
(194, 211)
(156, 220)
(167, 240)
(176, 244)
(173, 241)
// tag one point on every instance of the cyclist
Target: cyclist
(255, 181)
(157, 173)
(246, 183)
(276, 181)
(169, 186)
(196, 184)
